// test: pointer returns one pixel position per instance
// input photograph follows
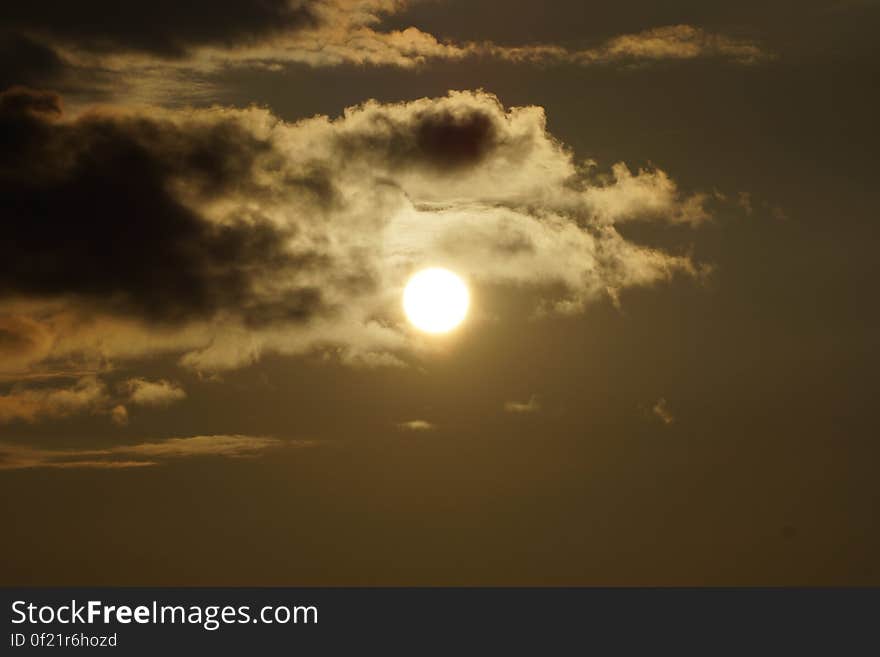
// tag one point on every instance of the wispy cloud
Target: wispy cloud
(416, 425)
(672, 42)
(160, 54)
(531, 406)
(662, 411)
(18, 456)
(356, 43)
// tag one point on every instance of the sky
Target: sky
(665, 214)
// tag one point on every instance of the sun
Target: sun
(435, 300)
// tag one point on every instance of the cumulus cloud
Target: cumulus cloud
(530, 406)
(142, 392)
(18, 456)
(221, 235)
(649, 193)
(416, 425)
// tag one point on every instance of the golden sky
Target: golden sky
(664, 215)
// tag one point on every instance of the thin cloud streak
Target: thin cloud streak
(145, 60)
(416, 425)
(19, 457)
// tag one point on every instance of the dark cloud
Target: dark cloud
(16, 335)
(94, 213)
(22, 102)
(25, 61)
(451, 141)
(435, 137)
(162, 27)
(21, 340)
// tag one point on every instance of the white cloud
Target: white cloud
(142, 392)
(416, 425)
(530, 406)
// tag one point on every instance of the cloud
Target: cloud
(647, 194)
(22, 341)
(75, 181)
(18, 457)
(142, 392)
(88, 395)
(340, 37)
(148, 51)
(219, 445)
(161, 27)
(119, 415)
(531, 406)
(661, 410)
(416, 425)
(664, 43)
(22, 59)
(221, 235)
(672, 42)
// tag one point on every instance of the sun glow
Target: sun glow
(435, 300)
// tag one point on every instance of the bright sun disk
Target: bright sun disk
(435, 300)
